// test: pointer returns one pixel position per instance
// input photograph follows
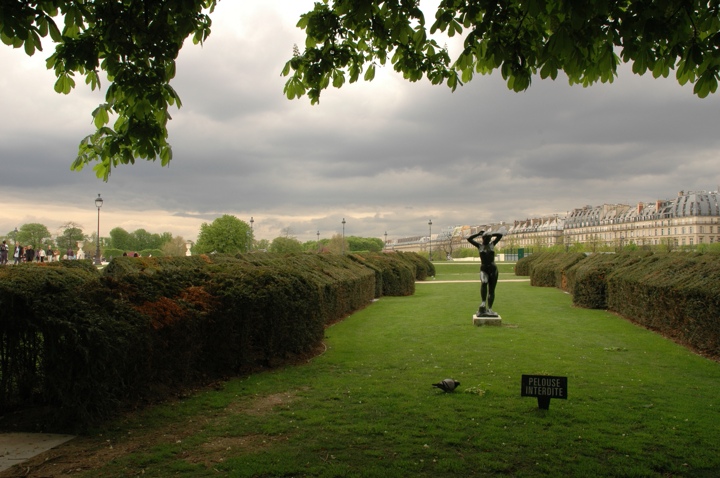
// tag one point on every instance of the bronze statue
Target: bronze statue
(488, 270)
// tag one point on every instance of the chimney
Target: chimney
(640, 208)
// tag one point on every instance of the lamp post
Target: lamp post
(430, 234)
(249, 235)
(385, 244)
(98, 205)
(343, 236)
(318, 240)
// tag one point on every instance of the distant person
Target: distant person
(70, 254)
(41, 254)
(29, 253)
(3, 253)
(18, 254)
(488, 270)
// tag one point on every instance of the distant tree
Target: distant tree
(12, 236)
(446, 243)
(166, 237)
(69, 235)
(121, 239)
(144, 240)
(285, 245)
(33, 234)
(90, 245)
(226, 234)
(335, 245)
(138, 240)
(261, 245)
(315, 246)
(372, 244)
(175, 247)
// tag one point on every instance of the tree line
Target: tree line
(70, 236)
(226, 234)
(230, 235)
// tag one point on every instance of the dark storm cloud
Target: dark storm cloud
(386, 155)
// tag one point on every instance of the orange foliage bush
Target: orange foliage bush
(162, 312)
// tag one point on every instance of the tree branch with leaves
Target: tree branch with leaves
(521, 38)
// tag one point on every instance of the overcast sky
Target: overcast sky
(387, 155)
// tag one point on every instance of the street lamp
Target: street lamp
(343, 237)
(98, 205)
(385, 245)
(248, 246)
(430, 233)
(318, 241)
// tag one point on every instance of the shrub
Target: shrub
(548, 268)
(674, 293)
(397, 274)
(587, 279)
(84, 342)
(423, 267)
(523, 266)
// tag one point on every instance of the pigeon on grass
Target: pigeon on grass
(447, 385)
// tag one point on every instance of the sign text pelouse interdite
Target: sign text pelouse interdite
(544, 387)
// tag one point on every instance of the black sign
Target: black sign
(544, 387)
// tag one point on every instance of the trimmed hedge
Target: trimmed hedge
(523, 266)
(674, 293)
(84, 343)
(547, 269)
(61, 342)
(423, 267)
(396, 275)
(587, 279)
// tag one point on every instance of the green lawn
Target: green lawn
(460, 271)
(638, 405)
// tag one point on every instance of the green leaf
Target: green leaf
(64, 84)
(29, 48)
(338, 78)
(165, 155)
(100, 115)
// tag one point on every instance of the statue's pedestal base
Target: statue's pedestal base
(487, 320)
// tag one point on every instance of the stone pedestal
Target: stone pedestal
(483, 320)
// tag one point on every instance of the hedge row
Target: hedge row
(676, 293)
(84, 343)
(587, 280)
(547, 269)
